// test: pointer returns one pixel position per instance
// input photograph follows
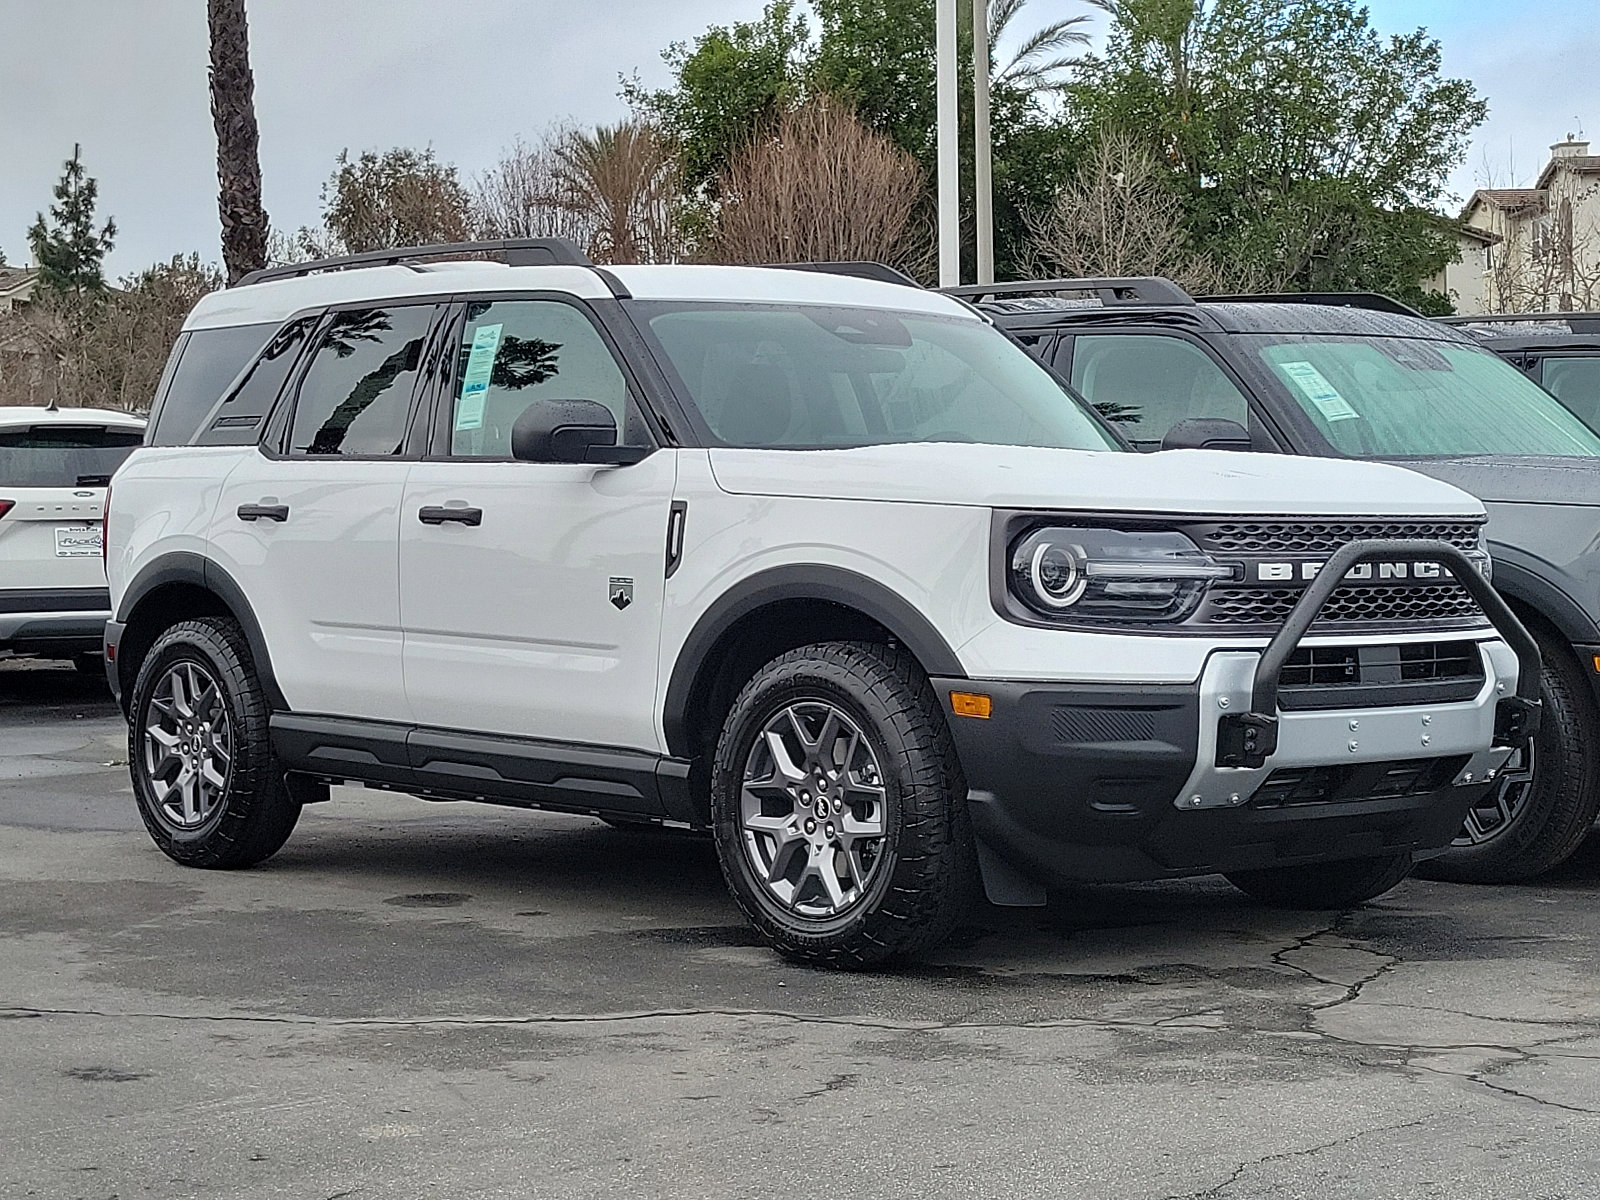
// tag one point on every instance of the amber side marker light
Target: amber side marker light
(1597, 664)
(972, 704)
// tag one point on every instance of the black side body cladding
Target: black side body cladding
(451, 764)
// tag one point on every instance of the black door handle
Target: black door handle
(269, 512)
(437, 514)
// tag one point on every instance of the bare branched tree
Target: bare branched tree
(233, 113)
(524, 195)
(821, 186)
(1549, 258)
(1121, 216)
(623, 179)
(116, 361)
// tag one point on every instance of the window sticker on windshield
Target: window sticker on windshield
(1319, 391)
(475, 380)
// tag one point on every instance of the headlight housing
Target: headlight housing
(1083, 574)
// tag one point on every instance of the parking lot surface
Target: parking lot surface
(420, 999)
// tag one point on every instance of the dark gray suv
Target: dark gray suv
(1365, 377)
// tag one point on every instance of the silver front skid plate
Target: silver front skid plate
(1330, 737)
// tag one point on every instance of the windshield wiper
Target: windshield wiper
(93, 481)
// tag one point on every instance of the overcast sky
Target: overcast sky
(127, 79)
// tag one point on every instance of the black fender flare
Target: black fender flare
(1518, 583)
(185, 566)
(832, 585)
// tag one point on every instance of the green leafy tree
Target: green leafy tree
(1311, 148)
(69, 251)
(377, 201)
(730, 84)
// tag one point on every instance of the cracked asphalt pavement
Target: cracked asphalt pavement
(451, 1000)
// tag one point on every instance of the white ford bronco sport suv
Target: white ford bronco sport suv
(820, 562)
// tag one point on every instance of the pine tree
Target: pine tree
(71, 255)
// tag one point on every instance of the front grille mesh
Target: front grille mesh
(1347, 605)
(1320, 537)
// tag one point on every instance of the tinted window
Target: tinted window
(64, 455)
(820, 376)
(1146, 384)
(209, 361)
(355, 398)
(1576, 383)
(238, 421)
(516, 352)
(1398, 397)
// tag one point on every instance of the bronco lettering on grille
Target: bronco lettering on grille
(1280, 572)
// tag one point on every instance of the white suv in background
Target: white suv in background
(820, 562)
(54, 467)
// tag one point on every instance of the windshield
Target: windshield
(64, 455)
(817, 377)
(1393, 397)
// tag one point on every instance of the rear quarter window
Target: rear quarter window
(208, 360)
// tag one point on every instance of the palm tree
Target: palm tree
(623, 180)
(233, 113)
(1042, 55)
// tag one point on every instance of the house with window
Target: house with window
(1534, 249)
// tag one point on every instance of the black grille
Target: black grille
(1413, 662)
(1347, 605)
(1291, 786)
(1319, 537)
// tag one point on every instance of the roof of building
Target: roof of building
(14, 279)
(1582, 164)
(1507, 197)
(276, 300)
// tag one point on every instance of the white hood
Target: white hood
(1173, 481)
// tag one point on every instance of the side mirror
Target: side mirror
(570, 431)
(1207, 433)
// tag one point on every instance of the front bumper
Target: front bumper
(49, 621)
(1077, 783)
(1084, 783)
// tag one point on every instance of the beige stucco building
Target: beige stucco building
(1533, 249)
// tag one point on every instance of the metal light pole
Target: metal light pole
(949, 145)
(982, 163)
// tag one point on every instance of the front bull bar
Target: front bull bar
(1248, 739)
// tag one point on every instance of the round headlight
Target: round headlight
(1056, 572)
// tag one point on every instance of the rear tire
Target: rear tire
(208, 787)
(1328, 885)
(839, 809)
(1543, 808)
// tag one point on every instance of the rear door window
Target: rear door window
(355, 397)
(208, 362)
(1575, 381)
(50, 456)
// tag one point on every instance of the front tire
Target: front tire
(208, 787)
(839, 809)
(1546, 801)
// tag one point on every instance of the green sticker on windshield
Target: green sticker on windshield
(1319, 391)
(475, 380)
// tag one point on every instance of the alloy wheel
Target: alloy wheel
(813, 810)
(1493, 815)
(188, 745)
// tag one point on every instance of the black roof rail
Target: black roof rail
(515, 252)
(1135, 289)
(1578, 322)
(1372, 301)
(859, 269)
